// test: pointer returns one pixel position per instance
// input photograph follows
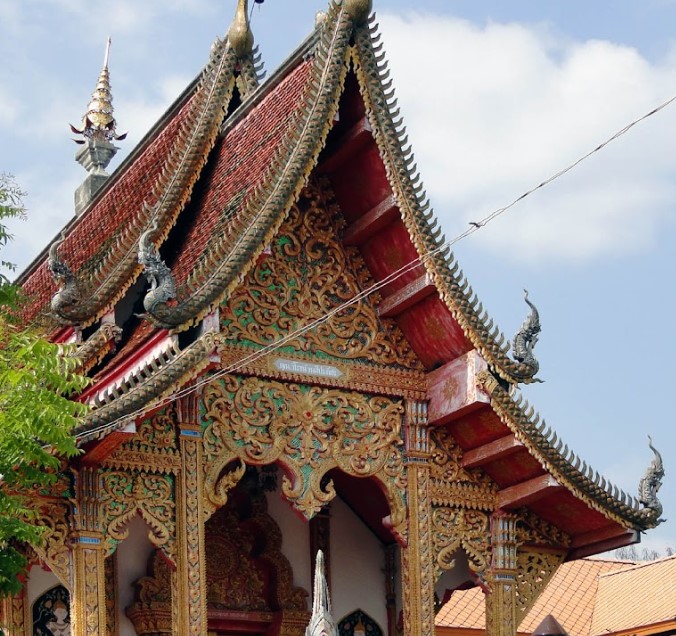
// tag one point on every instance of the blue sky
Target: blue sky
(497, 96)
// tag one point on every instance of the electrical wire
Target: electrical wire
(475, 226)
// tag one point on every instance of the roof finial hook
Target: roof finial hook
(359, 10)
(651, 482)
(527, 337)
(240, 36)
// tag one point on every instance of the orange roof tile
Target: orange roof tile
(569, 596)
(636, 596)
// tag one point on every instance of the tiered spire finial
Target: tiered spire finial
(240, 35)
(98, 122)
(321, 622)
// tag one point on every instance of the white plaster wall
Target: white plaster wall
(132, 563)
(357, 563)
(39, 581)
(295, 539)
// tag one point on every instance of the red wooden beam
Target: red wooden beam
(626, 538)
(343, 147)
(527, 491)
(407, 296)
(453, 391)
(488, 453)
(598, 535)
(370, 222)
(97, 451)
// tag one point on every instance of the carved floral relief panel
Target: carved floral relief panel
(307, 274)
(309, 431)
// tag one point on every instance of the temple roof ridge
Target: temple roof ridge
(116, 271)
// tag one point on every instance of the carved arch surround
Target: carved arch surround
(308, 431)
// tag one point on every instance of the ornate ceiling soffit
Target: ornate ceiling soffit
(395, 151)
(160, 383)
(118, 267)
(527, 337)
(562, 463)
(68, 294)
(651, 482)
(227, 259)
(98, 124)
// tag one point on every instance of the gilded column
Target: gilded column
(15, 617)
(501, 578)
(191, 601)
(88, 600)
(417, 562)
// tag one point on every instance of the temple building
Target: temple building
(286, 358)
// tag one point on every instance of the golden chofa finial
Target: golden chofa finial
(240, 35)
(359, 10)
(99, 123)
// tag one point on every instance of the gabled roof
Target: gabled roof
(589, 597)
(148, 192)
(570, 596)
(219, 197)
(643, 595)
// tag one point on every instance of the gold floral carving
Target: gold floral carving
(151, 611)
(54, 550)
(239, 538)
(459, 528)
(309, 431)
(151, 496)
(534, 571)
(453, 485)
(533, 530)
(309, 274)
(14, 617)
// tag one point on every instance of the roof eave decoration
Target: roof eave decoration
(119, 268)
(651, 482)
(160, 379)
(397, 155)
(225, 263)
(241, 39)
(569, 470)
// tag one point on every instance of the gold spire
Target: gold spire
(98, 122)
(240, 35)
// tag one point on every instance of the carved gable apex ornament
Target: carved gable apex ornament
(321, 622)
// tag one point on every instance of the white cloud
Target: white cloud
(494, 110)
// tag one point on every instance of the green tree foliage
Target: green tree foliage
(36, 416)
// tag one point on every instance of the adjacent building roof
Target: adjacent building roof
(578, 597)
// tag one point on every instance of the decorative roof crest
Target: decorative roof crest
(651, 482)
(321, 621)
(527, 337)
(162, 284)
(359, 10)
(240, 35)
(98, 122)
(69, 292)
